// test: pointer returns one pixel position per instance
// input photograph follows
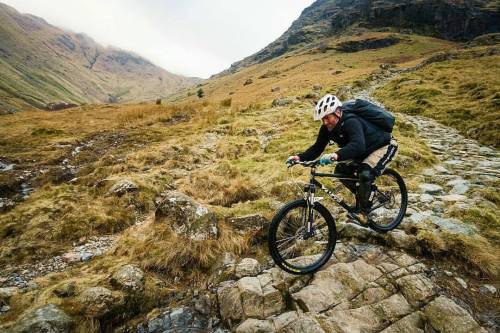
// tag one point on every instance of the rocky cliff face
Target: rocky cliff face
(41, 64)
(448, 19)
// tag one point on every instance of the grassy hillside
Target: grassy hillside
(462, 92)
(296, 73)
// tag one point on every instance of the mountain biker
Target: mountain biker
(359, 140)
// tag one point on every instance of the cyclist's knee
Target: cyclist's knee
(366, 173)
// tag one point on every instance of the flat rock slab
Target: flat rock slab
(453, 198)
(430, 188)
(453, 226)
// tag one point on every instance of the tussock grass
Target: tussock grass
(163, 251)
(222, 187)
(478, 255)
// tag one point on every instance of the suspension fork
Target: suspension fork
(309, 216)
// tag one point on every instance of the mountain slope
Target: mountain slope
(41, 64)
(448, 19)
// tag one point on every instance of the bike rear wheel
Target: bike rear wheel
(293, 248)
(390, 200)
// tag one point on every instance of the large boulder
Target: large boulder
(99, 301)
(128, 277)
(231, 309)
(47, 319)
(187, 217)
(247, 267)
(249, 297)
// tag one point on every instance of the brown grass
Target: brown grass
(163, 251)
(476, 254)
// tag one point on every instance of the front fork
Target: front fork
(308, 218)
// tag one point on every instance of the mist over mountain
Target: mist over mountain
(42, 64)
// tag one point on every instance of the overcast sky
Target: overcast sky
(188, 37)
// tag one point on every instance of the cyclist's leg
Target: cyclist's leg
(366, 176)
(372, 167)
(348, 170)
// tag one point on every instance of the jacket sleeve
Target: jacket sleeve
(356, 146)
(318, 147)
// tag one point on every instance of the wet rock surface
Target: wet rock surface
(182, 319)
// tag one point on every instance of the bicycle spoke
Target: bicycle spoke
(285, 243)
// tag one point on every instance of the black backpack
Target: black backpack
(371, 113)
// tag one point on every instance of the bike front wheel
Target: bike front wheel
(294, 248)
(389, 203)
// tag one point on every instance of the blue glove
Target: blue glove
(291, 160)
(327, 159)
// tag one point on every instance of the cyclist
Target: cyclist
(359, 140)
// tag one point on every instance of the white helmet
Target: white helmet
(326, 105)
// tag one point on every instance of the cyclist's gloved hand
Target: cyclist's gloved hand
(291, 160)
(327, 159)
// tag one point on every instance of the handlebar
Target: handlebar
(304, 163)
(316, 163)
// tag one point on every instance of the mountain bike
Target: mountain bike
(302, 234)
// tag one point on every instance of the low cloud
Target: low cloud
(192, 37)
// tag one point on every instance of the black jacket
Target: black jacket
(356, 137)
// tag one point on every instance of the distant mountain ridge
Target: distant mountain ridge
(448, 19)
(42, 64)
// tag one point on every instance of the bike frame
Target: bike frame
(310, 191)
(314, 183)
